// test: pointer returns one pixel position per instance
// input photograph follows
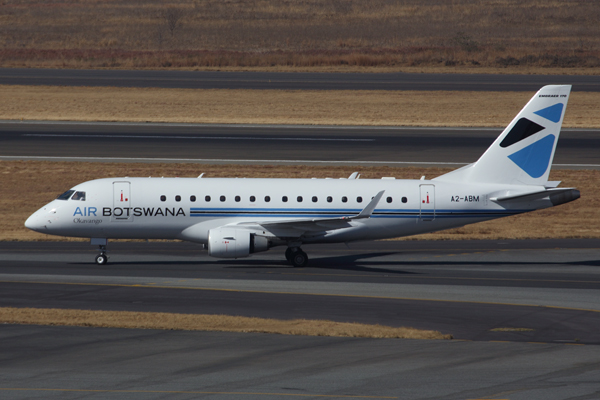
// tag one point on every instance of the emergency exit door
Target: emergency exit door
(121, 211)
(427, 202)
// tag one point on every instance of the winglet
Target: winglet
(368, 210)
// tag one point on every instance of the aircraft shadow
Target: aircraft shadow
(343, 263)
(353, 262)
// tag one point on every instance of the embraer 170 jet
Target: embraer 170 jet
(237, 217)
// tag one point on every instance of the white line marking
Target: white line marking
(198, 137)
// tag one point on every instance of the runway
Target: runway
(462, 288)
(73, 363)
(292, 80)
(545, 290)
(263, 144)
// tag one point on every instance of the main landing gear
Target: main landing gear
(296, 257)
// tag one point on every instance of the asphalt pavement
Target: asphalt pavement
(503, 348)
(263, 144)
(292, 80)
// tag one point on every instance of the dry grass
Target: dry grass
(512, 330)
(341, 107)
(202, 322)
(45, 180)
(340, 34)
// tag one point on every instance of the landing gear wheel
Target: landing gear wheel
(299, 259)
(101, 259)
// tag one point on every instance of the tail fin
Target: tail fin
(523, 153)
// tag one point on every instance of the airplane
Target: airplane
(237, 217)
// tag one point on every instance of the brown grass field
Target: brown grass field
(342, 107)
(523, 36)
(202, 322)
(45, 180)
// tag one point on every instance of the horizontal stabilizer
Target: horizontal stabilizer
(538, 195)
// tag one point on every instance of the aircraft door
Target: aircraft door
(122, 211)
(427, 202)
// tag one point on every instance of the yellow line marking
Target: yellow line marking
(442, 277)
(197, 392)
(141, 286)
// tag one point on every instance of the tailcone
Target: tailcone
(565, 197)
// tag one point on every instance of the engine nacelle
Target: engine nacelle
(235, 243)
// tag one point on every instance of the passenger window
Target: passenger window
(79, 196)
(252, 199)
(222, 198)
(267, 199)
(178, 198)
(284, 199)
(163, 198)
(359, 199)
(193, 199)
(314, 199)
(65, 195)
(389, 199)
(237, 199)
(299, 198)
(404, 199)
(329, 199)
(207, 198)
(344, 199)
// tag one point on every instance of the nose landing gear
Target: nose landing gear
(296, 257)
(102, 258)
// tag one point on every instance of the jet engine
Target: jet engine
(235, 243)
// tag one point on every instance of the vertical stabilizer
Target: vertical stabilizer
(523, 153)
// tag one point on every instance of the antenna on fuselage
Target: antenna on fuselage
(355, 175)
(201, 175)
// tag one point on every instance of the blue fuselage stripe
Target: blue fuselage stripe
(328, 213)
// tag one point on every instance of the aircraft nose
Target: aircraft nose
(36, 222)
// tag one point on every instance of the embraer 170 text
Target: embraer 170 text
(238, 217)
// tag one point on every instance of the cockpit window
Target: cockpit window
(79, 196)
(65, 195)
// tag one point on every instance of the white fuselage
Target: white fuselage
(187, 208)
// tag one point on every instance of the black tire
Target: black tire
(101, 259)
(288, 254)
(299, 259)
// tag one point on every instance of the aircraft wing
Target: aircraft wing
(298, 227)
